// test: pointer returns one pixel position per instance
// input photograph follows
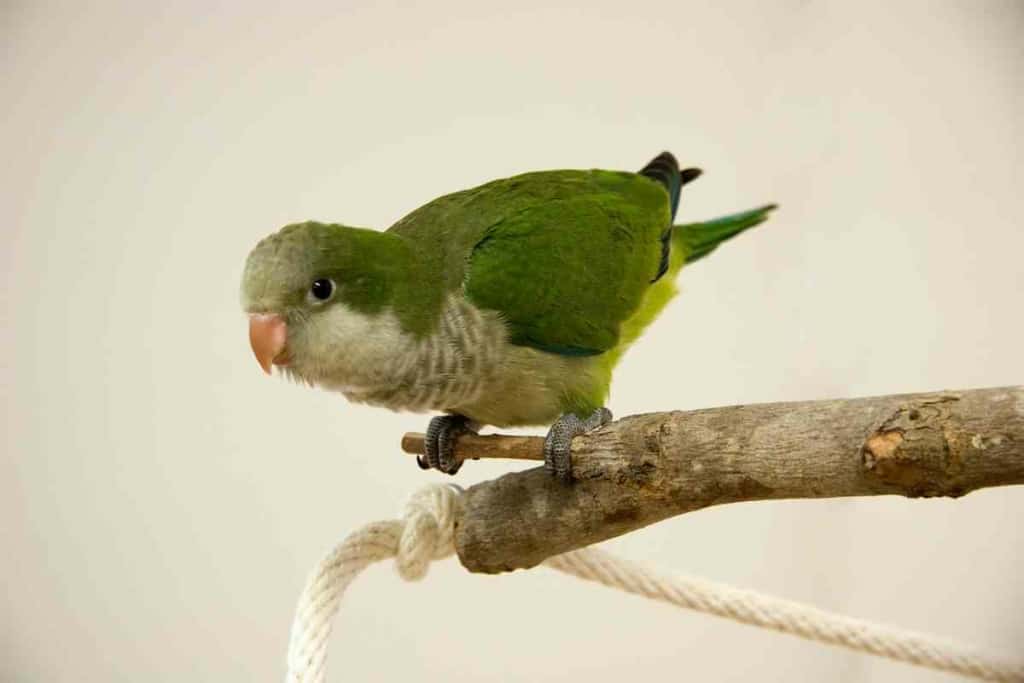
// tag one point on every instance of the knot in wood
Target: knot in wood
(918, 449)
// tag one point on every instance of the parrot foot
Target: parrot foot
(439, 445)
(558, 442)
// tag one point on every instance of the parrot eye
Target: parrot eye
(321, 289)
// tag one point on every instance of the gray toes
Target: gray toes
(599, 418)
(558, 442)
(446, 460)
(439, 444)
(430, 455)
(558, 446)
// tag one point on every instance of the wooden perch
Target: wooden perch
(646, 468)
(476, 446)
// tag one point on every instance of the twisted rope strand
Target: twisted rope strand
(786, 616)
(426, 533)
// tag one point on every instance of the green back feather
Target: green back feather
(566, 273)
(563, 256)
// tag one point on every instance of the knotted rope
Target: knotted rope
(425, 534)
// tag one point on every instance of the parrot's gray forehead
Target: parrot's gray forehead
(279, 268)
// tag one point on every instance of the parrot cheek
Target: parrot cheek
(268, 334)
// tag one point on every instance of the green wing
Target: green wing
(570, 259)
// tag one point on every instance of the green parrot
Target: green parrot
(507, 304)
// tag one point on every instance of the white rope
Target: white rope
(425, 534)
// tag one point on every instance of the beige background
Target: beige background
(162, 501)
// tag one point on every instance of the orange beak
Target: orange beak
(268, 333)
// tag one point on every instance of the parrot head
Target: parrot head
(308, 289)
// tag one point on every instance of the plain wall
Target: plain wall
(162, 501)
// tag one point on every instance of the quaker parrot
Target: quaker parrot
(506, 304)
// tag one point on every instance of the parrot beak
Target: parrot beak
(268, 333)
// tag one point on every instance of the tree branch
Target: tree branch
(645, 468)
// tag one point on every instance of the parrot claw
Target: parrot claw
(558, 442)
(439, 446)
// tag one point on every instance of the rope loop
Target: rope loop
(428, 529)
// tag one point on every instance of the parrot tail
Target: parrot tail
(697, 240)
(665, 169)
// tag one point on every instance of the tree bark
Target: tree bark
(645, 468)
